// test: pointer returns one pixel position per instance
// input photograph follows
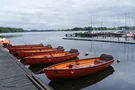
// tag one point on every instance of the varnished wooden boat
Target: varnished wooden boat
(21, 46)
(73, 69)
(50, 58)
(22, 54)
(14, 50)
(81, 82)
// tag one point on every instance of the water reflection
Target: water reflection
(82, 82)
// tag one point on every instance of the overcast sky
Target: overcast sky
(60, 14)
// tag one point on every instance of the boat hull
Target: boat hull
(74, 73)
(48, 60)
(20, 55)
(87, 80)
(12, 51)
(22, 46)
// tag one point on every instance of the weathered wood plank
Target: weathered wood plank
(13, 74)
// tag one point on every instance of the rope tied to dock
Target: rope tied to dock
(40, 71)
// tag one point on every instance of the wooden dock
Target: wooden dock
(100, 40)
(15, 76)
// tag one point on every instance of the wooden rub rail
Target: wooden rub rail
(15, 76)
(100, 40)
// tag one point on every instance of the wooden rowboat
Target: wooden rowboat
(50, 58)
(21, 46)
(22, 54)
(14, 50)
(81, 82)
(73, 69)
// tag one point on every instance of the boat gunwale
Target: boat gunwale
(25, 48)
(93, 66)
(31, 57)
(27, 51)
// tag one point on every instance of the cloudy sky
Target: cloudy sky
(62, 14)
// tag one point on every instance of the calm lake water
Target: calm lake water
(120, 76)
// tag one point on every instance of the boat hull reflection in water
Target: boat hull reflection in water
(82, 82)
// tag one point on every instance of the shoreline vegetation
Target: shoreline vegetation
(10, 30)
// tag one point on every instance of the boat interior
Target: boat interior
(29, 47)
(51, 55)
(78, 63)
(46, 50)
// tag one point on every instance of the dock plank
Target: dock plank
(13, 74)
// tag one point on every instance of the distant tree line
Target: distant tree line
(133, 27)
(76, 29)
(93, 28)
(101, 28)
(8, 30)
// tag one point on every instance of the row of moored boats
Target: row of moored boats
(64, 67)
